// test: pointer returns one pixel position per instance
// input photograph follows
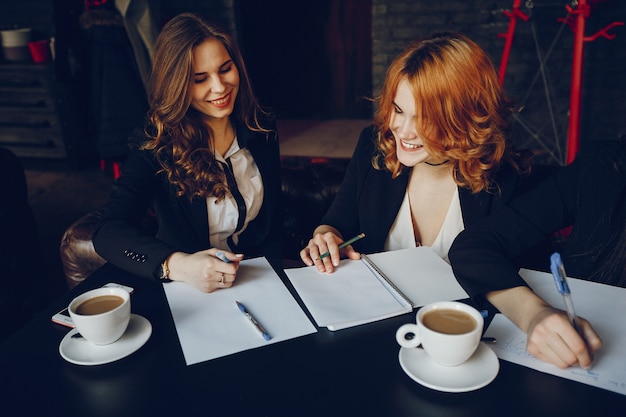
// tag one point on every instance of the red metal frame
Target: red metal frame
(508, 36)
(582, 12)
(577, 22)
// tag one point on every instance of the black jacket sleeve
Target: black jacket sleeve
(483, 257)
(182, 224)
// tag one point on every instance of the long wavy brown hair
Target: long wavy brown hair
(179, 135)
(464, 115)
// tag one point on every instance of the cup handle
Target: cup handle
(406, 330)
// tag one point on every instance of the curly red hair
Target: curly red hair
(464, 115)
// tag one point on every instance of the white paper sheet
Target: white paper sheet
(420, 274)
(603, 305)
(352, 295)
(210, 325)
(348, 297)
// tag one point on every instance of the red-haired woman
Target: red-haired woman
(436, 160)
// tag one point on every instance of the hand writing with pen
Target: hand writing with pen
(555, 336)
(552, 339)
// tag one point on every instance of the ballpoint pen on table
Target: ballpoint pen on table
(344, 244)
(252, 320)
(560, 279)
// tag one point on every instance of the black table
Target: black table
(351, 372)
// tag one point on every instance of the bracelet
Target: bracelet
(165, 270)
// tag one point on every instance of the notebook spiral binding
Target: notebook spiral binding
(390, 286)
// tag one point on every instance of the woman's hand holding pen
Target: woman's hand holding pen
(550, 334)
(560, 337)
(326, 239)
(205, 270)
(553, 339)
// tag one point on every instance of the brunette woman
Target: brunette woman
(207, 164)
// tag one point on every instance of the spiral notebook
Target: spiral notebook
(376, 287)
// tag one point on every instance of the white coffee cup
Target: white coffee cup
(101, 316)
(449, 332)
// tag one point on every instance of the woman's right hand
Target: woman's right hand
(326, 239)
(552, 339)
(204, 270)
(550, 335)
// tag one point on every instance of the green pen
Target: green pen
(344, 244)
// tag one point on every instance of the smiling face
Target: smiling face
(215, 80)
(403, 123)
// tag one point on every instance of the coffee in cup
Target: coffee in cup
(101, 316)
(449, 332)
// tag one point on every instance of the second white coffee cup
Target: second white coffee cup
(449, 332)
(101, 316)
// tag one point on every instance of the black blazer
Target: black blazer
(369, 199)
(182, 224)
(584, 195)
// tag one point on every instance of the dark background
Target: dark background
(322, 59)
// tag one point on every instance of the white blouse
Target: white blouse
(401, 235)
(223, 215)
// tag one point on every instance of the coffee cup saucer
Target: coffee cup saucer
(475, 373)
(79, 351)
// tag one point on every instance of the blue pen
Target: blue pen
(222, 257)
(252, 320)
(560, 279)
